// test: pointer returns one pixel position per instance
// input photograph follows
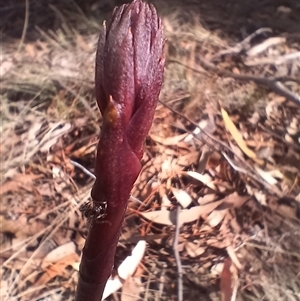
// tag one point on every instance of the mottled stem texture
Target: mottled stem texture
(129, 75)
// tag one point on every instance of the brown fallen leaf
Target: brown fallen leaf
(20, 227)
(19, 181)
(168, 140)
(57, 269)
(235, 200)
(30, 50)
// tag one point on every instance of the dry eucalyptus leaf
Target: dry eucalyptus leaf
(168, 218)
(257, 49)
(235, 200)
(194, 250)
(60, 252)
(112, 285)
(233, 257)
(56, 269)
(56, 131)
(125, 270)
(215, 218)
(168, 140)
(204, 158)
(129, 265)
(208, 198)
(217, 269)
(165, 202)
(182, 197)
(237, 136)
(266, 176)
(205, 179)
(188, 159)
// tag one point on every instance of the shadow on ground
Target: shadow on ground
(234, 19)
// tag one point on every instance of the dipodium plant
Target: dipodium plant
(128, 79)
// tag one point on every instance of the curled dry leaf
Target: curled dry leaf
(56, 131)
(235, 200)
(188, 159)
(204, 158)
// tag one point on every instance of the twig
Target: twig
(258, 178)
(243, 45)
(25, 26)
(177, 256)
(235, 167)
(90, 174)
(161, 283)
(259, 48)
(286, 78)
(86, 171)
(275, 249)
(274, 60)
(289, 144)
(274, 85)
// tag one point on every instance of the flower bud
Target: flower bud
(129, 74)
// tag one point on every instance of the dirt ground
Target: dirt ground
(224, 146)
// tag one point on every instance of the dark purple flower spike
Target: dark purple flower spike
(129, 74)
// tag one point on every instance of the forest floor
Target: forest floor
(225, 145)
